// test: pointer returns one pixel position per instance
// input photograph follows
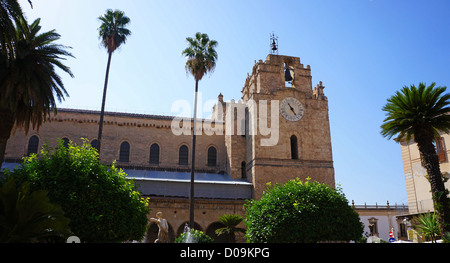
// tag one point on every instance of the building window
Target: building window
(440, 149)
(212, 156)
(33, 145)
(154, 154)
(183, 155)
(124, 155)
(94, 144)
(243, 170)
(294, 147)
(66, 142)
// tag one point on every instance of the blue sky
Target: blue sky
(362, 50)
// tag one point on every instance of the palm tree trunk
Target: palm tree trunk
(7, 124)
(102, 113)
(191, 195)
(430, 162)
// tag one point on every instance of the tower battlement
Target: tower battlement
(278, 72)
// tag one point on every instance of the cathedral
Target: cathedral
(279, 130)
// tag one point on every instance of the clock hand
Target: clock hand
(292, 109)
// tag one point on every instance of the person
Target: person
(163, 233)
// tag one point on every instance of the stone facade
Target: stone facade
(250, 145)
(313, 140)
(140, 131)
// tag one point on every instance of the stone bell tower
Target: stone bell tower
(287, 125)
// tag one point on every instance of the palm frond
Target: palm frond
(417, 109)
(112, 31)
(30, 85)
(201, 55)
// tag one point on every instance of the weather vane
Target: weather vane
(274, 44)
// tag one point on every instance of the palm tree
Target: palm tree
(201, 58)
(113, 33)
(230, 229)
(422, 113)
(10, 12)
(29, 215)
(30, 81)
(428, 226)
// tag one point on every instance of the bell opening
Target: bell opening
(287, 75)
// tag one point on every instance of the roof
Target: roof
(177, 184)
(9, 166)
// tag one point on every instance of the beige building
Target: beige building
(278, 131)
(418, 187)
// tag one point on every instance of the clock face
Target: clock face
(291, 109)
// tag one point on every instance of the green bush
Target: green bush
(301, 212)
(101, 203)
(194, 236)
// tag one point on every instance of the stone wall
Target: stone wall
(140, 131)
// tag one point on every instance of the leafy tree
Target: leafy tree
(301, 212)
(29, 82)
(194, 236)
(101, 203)
(27, 216)
(429, 226)
(422, 113)
(230, 229)
(113, 34)
(201, 58)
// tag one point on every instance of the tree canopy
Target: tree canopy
(101, 203)
(201, 55)
(301, 212)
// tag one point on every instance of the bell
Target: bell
(287, 75)
(274, 45)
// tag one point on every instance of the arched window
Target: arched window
(243, 170)
(94, 144)
(294, 147)
(212, 156)
(124, 156)
(33, 145)
(183, 155)
(66, 142)
(154, 154)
